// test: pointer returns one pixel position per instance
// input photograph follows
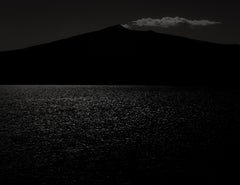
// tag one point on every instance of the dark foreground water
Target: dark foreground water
(72, 135)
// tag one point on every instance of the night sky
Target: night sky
(31, 22)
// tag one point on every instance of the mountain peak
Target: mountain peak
(117, 27)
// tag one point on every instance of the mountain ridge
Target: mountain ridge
(118, 29)
(117, 55)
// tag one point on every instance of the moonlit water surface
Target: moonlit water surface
(111, 134)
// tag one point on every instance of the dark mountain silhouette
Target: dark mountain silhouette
(117, 55)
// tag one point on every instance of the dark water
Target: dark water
(116, 135)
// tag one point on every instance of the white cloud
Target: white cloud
(167, 22)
